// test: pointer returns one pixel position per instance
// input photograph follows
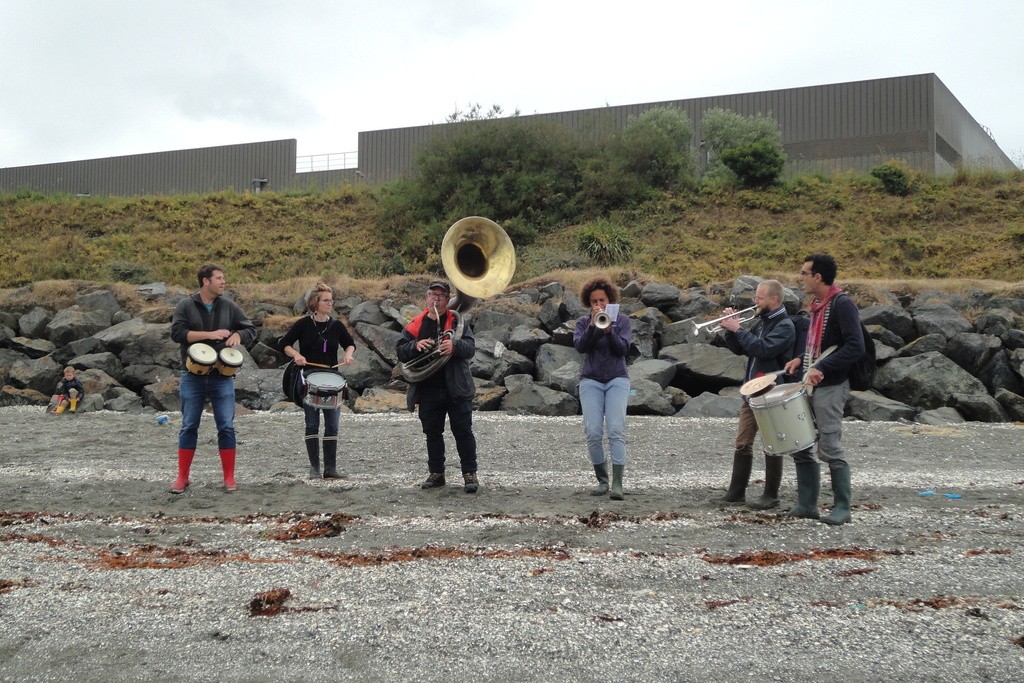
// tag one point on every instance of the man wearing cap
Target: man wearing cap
(449, 391)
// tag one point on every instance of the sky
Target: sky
(86, 80)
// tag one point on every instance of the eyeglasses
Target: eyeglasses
(327, 301)
(437, 295)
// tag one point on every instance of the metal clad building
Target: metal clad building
(825, 129)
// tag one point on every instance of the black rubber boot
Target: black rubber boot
(840, 513)
(330, 459)
(808, 483)
(313, 451)
(617, 473)
(772, 480)
(602, 480)
(742, 460)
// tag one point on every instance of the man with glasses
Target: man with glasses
(835, 321)
(449, 391)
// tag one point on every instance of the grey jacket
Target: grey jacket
(190, 315)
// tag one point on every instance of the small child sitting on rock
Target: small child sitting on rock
(68, 393)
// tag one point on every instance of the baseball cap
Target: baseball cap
(440, 284)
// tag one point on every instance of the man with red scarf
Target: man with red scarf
(835, 321)
(448, 391)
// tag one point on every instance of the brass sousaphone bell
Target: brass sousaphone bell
(479, 260)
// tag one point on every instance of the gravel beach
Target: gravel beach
(104, 575)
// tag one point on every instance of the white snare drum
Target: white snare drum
(785, 419)
(200, 359)
(229, 360)
(324, 390)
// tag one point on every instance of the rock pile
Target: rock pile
(935, 364)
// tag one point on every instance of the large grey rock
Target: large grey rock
(872, 406)
(929, 343)
(1012, 403)
(657, 370)
(552, 290)
(885, 336)
(893, 318)
(367, 370)
(978, 407)
(648, 398)
(137, 342)
(495, 324)
(996, 322)
(566, 379)
(660, 295)
(105, 361)
(124, 401)
(33, 324)
(367, 312)
(1013, 339)
(152, 291)
(646, 327)
(939, 417)
(380, 400)
(998, 374)
(135, 377)
(79, 347)
(266, 356)
(74, 323)
(487, 396)
(528, 398)
(694, 303)
(550, 357)
(258, 389)
(33, 348)
(382, 341)
(936, 318)
(572, 308)
(98, 383)
(527, 340)
(711, 405)
(550, 316)
(41, 374)
(13, 396)
(703, 368)
(163, 394)
(972, 351)
(100, 300)
(928, 380)
(680, 332)
(8, 358)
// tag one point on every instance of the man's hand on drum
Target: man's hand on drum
(227, 336)
(815, 376)
(792, 366)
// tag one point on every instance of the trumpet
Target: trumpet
(602, 321)
(746, 315)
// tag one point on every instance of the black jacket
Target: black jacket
(769, 345)
(190, 315)
(456, 373)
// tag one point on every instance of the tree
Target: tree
(722, 129)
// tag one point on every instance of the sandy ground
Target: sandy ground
(105, 575)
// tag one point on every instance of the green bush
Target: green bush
(896, 177)
(722, 129)
(605, 243)
(756, 164)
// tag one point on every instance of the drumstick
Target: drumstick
(318, 365)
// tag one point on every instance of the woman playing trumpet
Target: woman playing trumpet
(604, 382)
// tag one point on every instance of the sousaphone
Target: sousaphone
(479, 260)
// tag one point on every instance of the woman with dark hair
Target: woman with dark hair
(604, 340)
(319, 336)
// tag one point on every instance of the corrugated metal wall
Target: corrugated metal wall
(838, 127)
(827, 128)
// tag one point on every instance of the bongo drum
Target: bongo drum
(200, 359)
(229, 360)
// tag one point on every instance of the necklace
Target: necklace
(322, 334)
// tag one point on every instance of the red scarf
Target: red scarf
(413, 327)
(817, 328)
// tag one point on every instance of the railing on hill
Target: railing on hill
(333, 161)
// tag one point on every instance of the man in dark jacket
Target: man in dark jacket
(207, 317)
(449, 391)
(835, 321)
(768, 346)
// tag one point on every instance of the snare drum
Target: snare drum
(200, 359)
(785, 419)
(324, 390)
(229, 360)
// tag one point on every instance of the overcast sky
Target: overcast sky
(84, 80)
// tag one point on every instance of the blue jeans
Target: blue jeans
(195, 390)
(434, 406)
(313, 421)
(604, 404)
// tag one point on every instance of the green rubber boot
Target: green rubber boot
(808, 483)
(841, 491)
(602, 480)
(742, 460)
(772, 480)
(617, 472)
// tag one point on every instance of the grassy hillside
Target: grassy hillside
(967, 227)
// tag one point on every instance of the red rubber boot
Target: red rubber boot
(184, 465)
(227, 464)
